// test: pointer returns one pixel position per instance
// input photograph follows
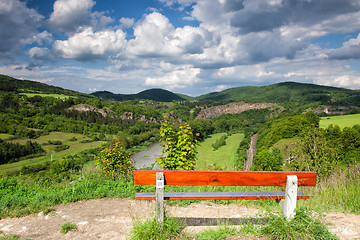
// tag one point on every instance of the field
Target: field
(341, 120)
(223, 158)
(59, 96)
(76, 146)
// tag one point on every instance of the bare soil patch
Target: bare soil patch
(114, 219)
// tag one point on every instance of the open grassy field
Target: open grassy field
(341, 120)
(75, 147)
(60, 96)
(222, 158)
(5, 136)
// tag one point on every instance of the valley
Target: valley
(70, 133)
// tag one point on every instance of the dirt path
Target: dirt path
(114, 218)
(251, 152)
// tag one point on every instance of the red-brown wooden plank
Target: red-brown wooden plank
(218, 195)
(223, 178)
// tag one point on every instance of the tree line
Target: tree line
(12, 152)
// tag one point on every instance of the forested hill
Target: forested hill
(288, 92)
(9, 84)
(159, 95)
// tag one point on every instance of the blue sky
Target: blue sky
(185, 46)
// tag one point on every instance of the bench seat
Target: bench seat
(290, 180)
(217, 195)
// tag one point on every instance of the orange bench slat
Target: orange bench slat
(223, 178)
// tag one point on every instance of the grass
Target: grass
(303, 226)
(67, 227)
(339, 192)
(5, 136)
(341, 120)
(272, 225)
(223, 158)
(152, 230)
(60, 96)
(75, 147)
(12, 237)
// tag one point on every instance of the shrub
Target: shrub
(114, 160)
(56, 142)
(268, 161)
(219, 142)
(61, 148)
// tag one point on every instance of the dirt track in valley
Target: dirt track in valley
(114, 219)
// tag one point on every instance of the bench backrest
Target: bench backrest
(223, 178)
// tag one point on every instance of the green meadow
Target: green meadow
(341, 120)
(223, 158)
(59, 96)
(75, 146)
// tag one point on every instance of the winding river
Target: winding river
(146, 158)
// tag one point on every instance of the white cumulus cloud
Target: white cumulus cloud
(18, 26)
(182, 77)
(89, 45)
(68, 15)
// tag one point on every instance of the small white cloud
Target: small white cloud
(38, 53)
(219, 88)
(127, 22)
(179, 78)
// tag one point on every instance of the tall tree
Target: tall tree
(178, 146)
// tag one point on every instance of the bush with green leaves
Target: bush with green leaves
(60, 148)
(266, 160)
(178, 147)
(114, 160)
(219, 142)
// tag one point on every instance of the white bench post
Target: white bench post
(160, 197)
(288, 205)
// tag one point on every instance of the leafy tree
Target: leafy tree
(178, 147)
(265, 160)
(114, 160)
(315, 153)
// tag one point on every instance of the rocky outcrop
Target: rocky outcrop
(86, 108)
(130, 116)
(231, 108)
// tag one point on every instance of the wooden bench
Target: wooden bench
(160, 178)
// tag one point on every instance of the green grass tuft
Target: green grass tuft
(152, 230)
(303, 226)
(67, 227)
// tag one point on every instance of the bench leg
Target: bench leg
(160, 197)
(288, 204)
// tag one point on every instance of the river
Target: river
(146, 158)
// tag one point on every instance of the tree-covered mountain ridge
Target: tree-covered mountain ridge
(285, 93)
(156, 94)
(288, 92)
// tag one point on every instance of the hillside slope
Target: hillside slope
(288, 92)
(159, 95)
(9, 84)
